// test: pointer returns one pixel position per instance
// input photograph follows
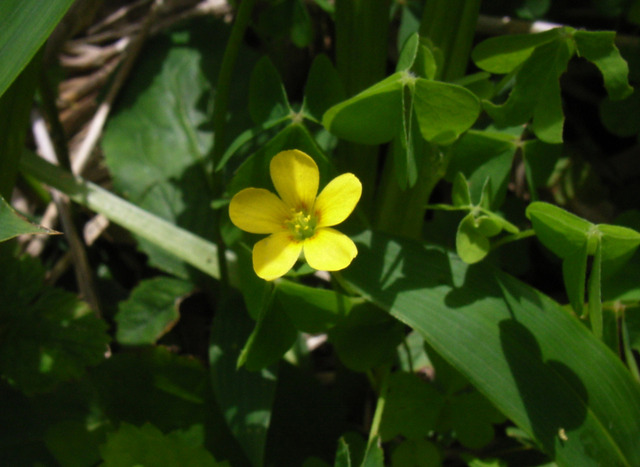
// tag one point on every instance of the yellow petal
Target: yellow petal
(295, 176)
(329, 250)
(257, 210)
(275, 255)
(337, 200)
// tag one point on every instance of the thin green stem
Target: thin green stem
(220, 118)
(224, 78)
(374, 431)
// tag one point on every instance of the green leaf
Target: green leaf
(311, 309)
(460, 195)
(13, 224)
(471, 245)
(594, 293)
(323, 88)
(518, 347)
(152, 385)
(151, 310)
(367, 338)
(343, 458)
(371, 117)
(174, 240)
(480, 155)
(489, 226)
(15, 108)
(599, 48)
(374, 455)
(444, 110)
(408, 53)
(147, 445)
(26, 26)
(622, 118)
(48, 335)
(267, 96)
(272, 336)
(503, 54)
(245, 397)
(618, 246)
(412, 407)
(540, 159)
(537, 92)
(157, 143)
(416, 452)
(560, 231)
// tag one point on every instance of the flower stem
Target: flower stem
(383, 389)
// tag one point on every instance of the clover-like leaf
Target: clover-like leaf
(371, 117)
(444, 110)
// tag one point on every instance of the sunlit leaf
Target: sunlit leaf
(26, 25)
(518, 347)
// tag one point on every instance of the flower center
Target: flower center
(301, 224)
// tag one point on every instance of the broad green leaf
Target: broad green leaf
(323, 88)
(537, 92)
(416, 452)
(267, 96)
(444, 110)
(471, 245)
(13, 224)
(594, 293)
(146, 445)
(174, 240)
(245, 398)
(151, 310)
(26, 24)
(560, 231)
(157, 143)
(480, 155)
(371, 117)
(518, 347)
(503, 54)
(599, 48)
(367, 338)
(412, 407)
(311, 309)
(272, 336)
(48, 335)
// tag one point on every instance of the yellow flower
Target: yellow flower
(298, 221)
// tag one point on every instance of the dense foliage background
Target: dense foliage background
(490, 318)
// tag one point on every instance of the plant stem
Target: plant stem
(374, 431)
(220, 116)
